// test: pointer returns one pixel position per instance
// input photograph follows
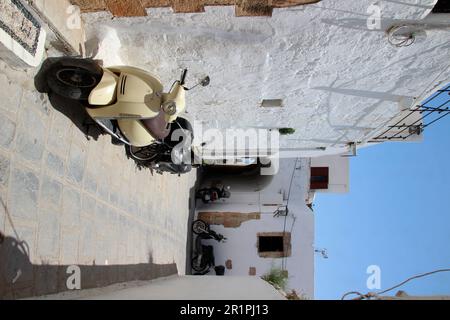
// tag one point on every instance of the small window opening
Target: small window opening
(274, 244)
(271, 244)
(272, 103)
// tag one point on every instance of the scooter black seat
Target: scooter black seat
(158, 127)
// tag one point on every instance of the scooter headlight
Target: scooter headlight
(170, 108)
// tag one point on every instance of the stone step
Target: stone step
(22, 36)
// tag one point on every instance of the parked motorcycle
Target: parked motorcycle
(200, 227)
(204, 259)
(129, 104)
(213, 194)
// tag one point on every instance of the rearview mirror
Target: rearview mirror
(205, 82)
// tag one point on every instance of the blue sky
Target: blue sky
(396, 216)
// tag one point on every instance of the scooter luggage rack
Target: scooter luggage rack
(401, 131)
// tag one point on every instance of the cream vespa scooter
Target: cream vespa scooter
(130, 105)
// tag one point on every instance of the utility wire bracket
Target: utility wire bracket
(417, 119)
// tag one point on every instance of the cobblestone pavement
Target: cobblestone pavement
(74, 201)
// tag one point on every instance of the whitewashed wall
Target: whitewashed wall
(178, 288)
(338, 79)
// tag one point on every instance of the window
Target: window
(274, 244)
(320, 178)
(443, 6)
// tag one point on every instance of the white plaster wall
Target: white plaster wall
(339, 172)
(180, 288)
(241, 246)
(245, 202)
(438, 18)
(66, 19)
(229, 206)
(199, 288)
(338, 79)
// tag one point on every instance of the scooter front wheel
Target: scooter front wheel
(200, 227)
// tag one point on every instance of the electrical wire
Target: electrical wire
(377, 294)
(292, 180)
(413, 278)
(284, 261)
(359, 294)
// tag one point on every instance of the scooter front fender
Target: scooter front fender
(177, 95)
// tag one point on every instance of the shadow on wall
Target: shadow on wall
(19, 278)
(72, 109)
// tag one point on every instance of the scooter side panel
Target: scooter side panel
(139, 96)
(122, 110)
(135, 96)
(151, 81)
(137, 135)
(135, 100)
(133, 89)
(106, 91)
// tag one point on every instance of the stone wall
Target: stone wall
(22, 36)
(228, 219)
(126, 8)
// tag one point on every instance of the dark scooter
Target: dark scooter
(203, 259)
(213, 194)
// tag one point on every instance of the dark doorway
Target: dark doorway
(443, 6)
(320, 178)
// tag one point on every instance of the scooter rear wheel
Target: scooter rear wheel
(198, 267)
(74, 78)
(144, 154)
